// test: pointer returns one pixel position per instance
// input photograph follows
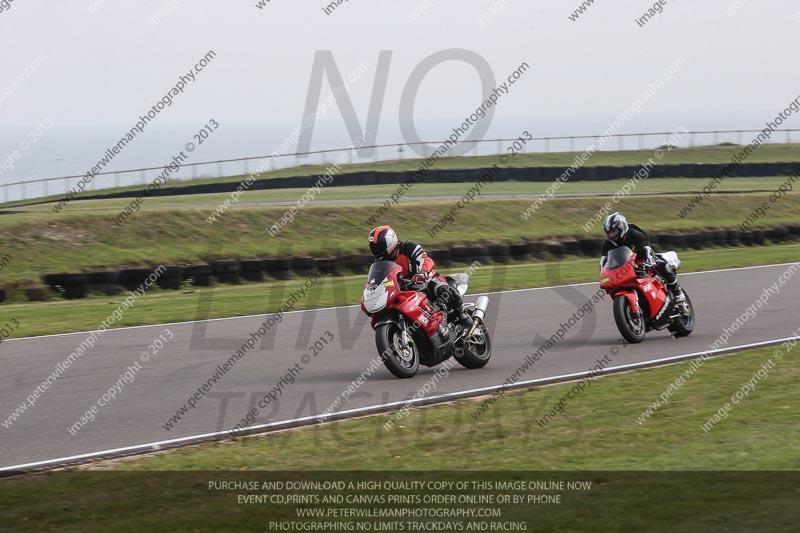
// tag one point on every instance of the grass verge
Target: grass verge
(595, 439)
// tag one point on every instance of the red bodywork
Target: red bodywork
(624, 281)
(412, 304)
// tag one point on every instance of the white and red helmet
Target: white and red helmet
(383, 242)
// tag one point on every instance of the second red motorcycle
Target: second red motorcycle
(641, 300)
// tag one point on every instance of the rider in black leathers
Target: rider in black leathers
(620, 233)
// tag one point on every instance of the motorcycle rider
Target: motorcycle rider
(412, 258)
(620, 233)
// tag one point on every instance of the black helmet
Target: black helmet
(615, 227)
(383, 242)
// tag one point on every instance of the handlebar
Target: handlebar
(407, 284)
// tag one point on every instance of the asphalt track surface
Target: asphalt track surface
(519, 321)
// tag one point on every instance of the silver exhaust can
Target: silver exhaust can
(480, 307)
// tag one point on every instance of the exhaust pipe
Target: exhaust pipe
(478, 314)
(480, 307)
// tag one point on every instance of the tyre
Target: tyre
(683, 326)
(170, 278)
(37, 294)
(630, 326)
(477, 349)
(107, 289)
(100, 278)
(400, 356)
(198, 275)
(64, 280)
(226, 271)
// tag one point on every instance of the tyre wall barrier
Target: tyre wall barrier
(442, 257)
(106, 289)
(278, 268)
(111, 281)
(519, 251)
(199, 275)
(252, 269)
(226, 271)
(170, 278)
(355, 263)
(555, 249)
(537, 249)
(498, 252)
(37, 294)
(303, 266)
(71, 286)
(328, 266)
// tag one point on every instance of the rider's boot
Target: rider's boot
(677, 296)
(452, 300)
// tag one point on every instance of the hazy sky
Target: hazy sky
(108, 67)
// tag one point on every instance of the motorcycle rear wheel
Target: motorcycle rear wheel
(401, 357)
(477, 349)
(684, 324)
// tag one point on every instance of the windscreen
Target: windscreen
(618, 257)
(378, 272)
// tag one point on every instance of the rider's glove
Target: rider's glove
(603, 262)
(421, 277)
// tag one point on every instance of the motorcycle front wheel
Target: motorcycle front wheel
(630, 325)
(397, 349)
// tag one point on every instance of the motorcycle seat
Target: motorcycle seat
(671, 258)
(460, 282)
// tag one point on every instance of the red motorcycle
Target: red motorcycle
(410, 329)
(641, 300)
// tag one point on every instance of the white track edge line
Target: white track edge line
(354, 412)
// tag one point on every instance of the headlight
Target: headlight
(375, 298)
